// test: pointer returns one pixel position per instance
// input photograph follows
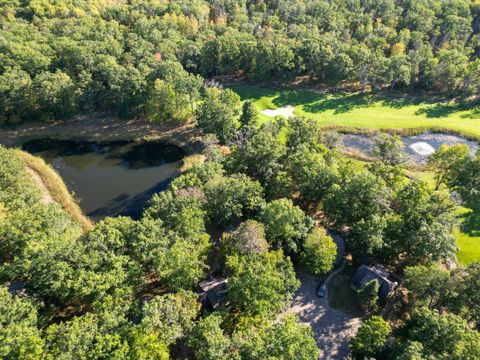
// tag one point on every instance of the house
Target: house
(213, 293)
(365, 274)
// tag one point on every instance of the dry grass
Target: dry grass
(56, 188)
(191, 160)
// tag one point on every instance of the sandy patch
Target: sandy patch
(286, 111)
(422, 148)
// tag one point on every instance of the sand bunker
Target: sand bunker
(422, 148)
(286, 111)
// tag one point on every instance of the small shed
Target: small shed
(365, 274)
(213, 293)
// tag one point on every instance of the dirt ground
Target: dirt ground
(105, 128)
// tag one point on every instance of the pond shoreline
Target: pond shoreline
(106, 129)
(54, 188)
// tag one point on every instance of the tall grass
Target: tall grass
(56, 188)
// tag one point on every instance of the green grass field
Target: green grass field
(356, 110)
(359, 111)
(468, 235)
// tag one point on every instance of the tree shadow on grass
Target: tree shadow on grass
(294, 97)
(444, 110)
(471, 220)
(473, 114)
(341, 104)
(401, 101)
(440, 110)
(471, 224)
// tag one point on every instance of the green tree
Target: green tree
(87, 336)
(16, 96)
(218, 113)
(181, 211)
(319, 252)
(144, 346)
(286, 225)
(208, 340)
(303, 131)
(183, 264)
(427, 286)
(445, 336)
(233, 197)
(19, 336)
(367, 296)
(263, 153)
(423, 228)
(467, 180)
(471, 292)
(260, 285)
(367, 237)
(371, 338)
(286, 340)
(388, 149)
(447, 163)
(361, 196)
(55, 94)
(174, 94)
(171, 316)
(248, 238)
(249, 115)
(314, 172)
(410, 350)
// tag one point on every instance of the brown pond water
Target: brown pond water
(109, 179)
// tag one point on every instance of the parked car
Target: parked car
(322, 290)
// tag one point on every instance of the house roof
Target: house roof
(365, 274)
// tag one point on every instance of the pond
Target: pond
(109, 179)
(417, 149)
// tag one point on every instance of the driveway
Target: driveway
(332, 328)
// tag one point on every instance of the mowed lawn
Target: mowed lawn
(367, 111)
(381, 112)
(468, 235)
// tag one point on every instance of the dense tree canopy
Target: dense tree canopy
(260, 284)
(140, 58)
(129, 289)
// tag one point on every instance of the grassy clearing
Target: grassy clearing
(340, 294)
(366, 111)
(56, 188)
(468, 234)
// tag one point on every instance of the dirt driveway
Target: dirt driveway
(332, 328)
